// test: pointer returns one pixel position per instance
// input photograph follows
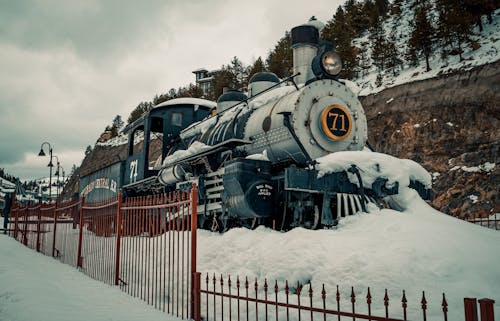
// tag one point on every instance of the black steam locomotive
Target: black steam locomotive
(254, 159)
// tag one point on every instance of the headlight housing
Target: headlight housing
(331, 63)
(327, 64)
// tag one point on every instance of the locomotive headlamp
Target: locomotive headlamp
(331, 63)
(327, 64)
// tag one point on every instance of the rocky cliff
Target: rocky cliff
(450, 125)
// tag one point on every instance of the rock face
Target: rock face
(450, 125)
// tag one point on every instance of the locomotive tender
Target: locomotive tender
(254, 160)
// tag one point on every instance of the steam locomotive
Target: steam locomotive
(253, 156)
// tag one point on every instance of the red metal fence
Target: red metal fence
(147, 246)
(243, 299)
(158, 250)
(491, 221)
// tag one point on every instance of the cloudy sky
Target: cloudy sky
(67, 68)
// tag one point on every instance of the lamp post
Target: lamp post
(50, 165)
(58, 175)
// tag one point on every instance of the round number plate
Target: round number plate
(336, 122)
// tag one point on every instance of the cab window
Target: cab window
(176, 119)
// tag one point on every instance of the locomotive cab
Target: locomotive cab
(153, 135)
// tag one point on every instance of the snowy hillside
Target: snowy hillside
(400, 26)
(416, 250)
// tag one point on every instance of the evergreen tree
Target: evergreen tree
(118, 122)
(222, 78)
(257, 66)
(478, 8)
(382, 7)
(280, 59)
(238, 73)
(355, 19)
(380, 50)
(378, 81)
(188, 91)
(455, 25)
(394, 63)
(116, 126)
(364, 62)
(73, 170)
(422, 37)
(370, 13)
(339, 31)
(138, 111)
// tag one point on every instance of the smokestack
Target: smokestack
(305, 41)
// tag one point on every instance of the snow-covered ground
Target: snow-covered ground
(417, 250)
(34, 287)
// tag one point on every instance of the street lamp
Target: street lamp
(59, 167)
(50, 165)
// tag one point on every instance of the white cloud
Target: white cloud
(66, 93)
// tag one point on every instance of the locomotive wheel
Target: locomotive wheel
(227, 224)
(215, 224)
(313, 221)
(249, 223)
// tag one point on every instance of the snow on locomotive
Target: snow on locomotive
(256, 160)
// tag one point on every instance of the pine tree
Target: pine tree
(455, 25)
(478, 8)
(222, 78)
(422, 37)
(339, 31)
(355, 19)
(370, 12)
(257, 66)
(238, 73)
(380, 46)
(364, 62)
(118, 122)
(138, 111)
(116, 126)
(394, 63)
(280, 59)
(382, 7)
(73, 170)
(378, 81)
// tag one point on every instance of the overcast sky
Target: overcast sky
(67, 68)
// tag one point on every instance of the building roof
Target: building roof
(199, 70)
(206, 79)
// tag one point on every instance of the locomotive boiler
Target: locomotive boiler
(254, 161)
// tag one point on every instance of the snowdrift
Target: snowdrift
(418, 250)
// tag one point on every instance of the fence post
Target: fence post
(195, 279)
(118, 236)
(487, 311)
(79, 262)
(54, 231)
(39, 218)
(25, 236)
(470, 305)
(196, 308)
(16, 223)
